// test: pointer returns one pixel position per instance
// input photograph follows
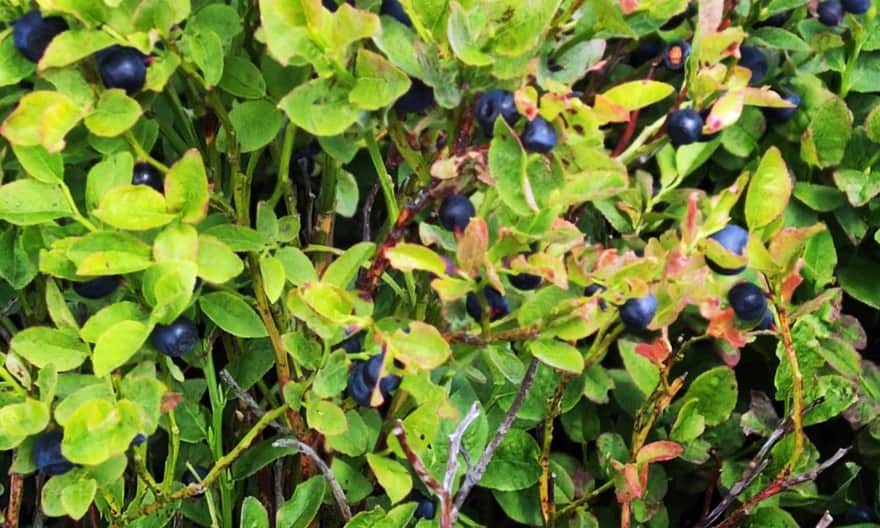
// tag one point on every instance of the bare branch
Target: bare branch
(825, 521)
(455, 447)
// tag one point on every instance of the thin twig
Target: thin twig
(455, 447)
(16, 483)
(797, 389)
(825, 521)
(424, 475)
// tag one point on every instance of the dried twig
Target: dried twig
(16, 483)
(455, 447)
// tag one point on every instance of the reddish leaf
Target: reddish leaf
(658, 452)
(170, 401)
(656, 351)
(791, 282)
(722, 323)
(689, 229)
(628, 6)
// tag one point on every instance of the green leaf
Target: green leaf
(53, 491)
(379, 83)
(859, 278)
(822, 198)
(689, 424)
(238, 238)
(24, 419)
(77, 498)
(769, 190)
(253, 514)
(112, 171)
(217, 18)
(774, 37)
(176, 242)
(13, 66)
(242, 79)
(231, 313)
(634, 95)
(643, 373)
(872, 124)
(99, 430)
(114, 113)
(19, 251)
(117, 345)
(558, 355)
(397, 42)
(297, 266)
(507, 164)
(206, 51)
(133, 207)
(273, 274)
(326, 417)
(73, 45)
(408, 257)
(42, 118)
(30, 202)
(301, 509)
(108, 252)
(80, 397)
(216, 261)
(186, 187)
(59, 312)
(347, 194)
(256, 123)
(468, 36)
(47, 167)
(828, 133)
(353, 442)
(422, 347)
(820, 259)
(515, 464)
(392, 476)
(342, 271)
(859, 187)
(141, 387)
(40, 346)
(320, 108)
(168, 287)
(715, 392)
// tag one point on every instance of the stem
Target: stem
(797, 387)
(284, 164)
(16, 484)
(74, 210)
(171, 461)
(13, 383)
(218, 403)
(143, 154)
(545, 483)
(577, 503)
(385, 180)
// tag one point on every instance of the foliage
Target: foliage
(358, 357)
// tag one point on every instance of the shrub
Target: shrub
(282, 258)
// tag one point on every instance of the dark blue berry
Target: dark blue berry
(830, 13)
(456, 212)
(417, 99)
(138, 439)
(734, 239)
(594, 289)
(146, 174)
(684, 127)
(498, 306)
(781, 115)
(492, 105)
(47, 454)
(351, 345)
(358, 388)
(389, 384)
(776, 19)
(373, 368)
(32, 34)
(539, 136)
(175, 339)
(748, 301)
(525, 281)
(98, 287)
(200, 474)
(752, 58)
(856, 7)
(676, 54)
(332, 5)
(426, 509)
(393, 9)
(767, 322)
(637, 313)
(122, 67)
(647, 50)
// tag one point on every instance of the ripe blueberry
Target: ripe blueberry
(47, 454)
(373, 368)
(417, 99)
(498, 306)
(856, 7)
(748, 301)
(595, 289)
(138, 439)
(456, 212)
(733, 238)
(175, 339)
(389, 384)
(767, 322)
(97, 287)
(122, 67)
(494, 104)
(146, 174)
(684, 127)
(358, 388)
(32, 34)
(525, 281)
(426, 508)
(776, 20)
(752, 58)
(859, 514)
(781, 115)
(200, 474)
(676, 54)
(351, 345)
(332, 6)
(393, 9)
(646, 50)
(539, 136)
(830, 13)
(637, 313)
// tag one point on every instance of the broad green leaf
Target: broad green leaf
(379, 83)
(83, 395)
(349, 25)
(42, 118)
(558, 355)
(342, 271)
(408, 257)
(634, 95)
(117, 345)
(58, 310)
(221, 19)
(860, 187)
(112, 171)
(689, 424)
(253, 514)
(347, 194)
(300, 510)
(779, 38)
(238, 238)
(206, 50)
(274, 276)
(24, 419)
(231, 313)
(467, 34)
(422, 346)
(353, 442)
(216, 261)
(392, 476)
(30, 202)
(769, 190)
(40, 346)
(145, 391)
(397, 42)
(859, 278)
(320, 107)
(76, 499)
(242, 79)
(828, 133)
(256, 123)
(53, 491)
(186, 187)
(73, 45)
(168, 288)
(515, 464)
(176, 242)
(297, 266)
(133, 207)
(326, 417)
(19, 250)
(507, 164)
(715, 392)
(643, 373)
(99, 430)
(13, 66)
(47, 167)
(114, 113)
(822, 198)
(108, 252)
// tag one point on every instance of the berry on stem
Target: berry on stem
(684, 127)
(733, 238)
(781, 115)
(32, 34)
(539, 136)
(752, 58)
(830, 13)
(98, 287)
(494, 104)
(748, 301)
(175, 339)
(856, 7)
(498, 305)
(122, 67)
(676, 54)
(456, 212)
(638, 312)
(525, 281)
(47, 454)
(146, 174)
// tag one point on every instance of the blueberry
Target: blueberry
(351, 345)
(539, 136)
(332, 5)
(733, 238)
(98, 287)
(358, 388)
(373, 368)
(47, 454)
(646, 50)
(32, 34)
(776, 19)
(456, 212)
(393, 9)
(684, 127)
(637, 313)
(676, 54)
(748, 301)
(594, 289)
(175, 339)
(767, 322)
(781, 115)
(417, 99)
(859, 514)
(856, 7)
(389, 384)
(200, 474)
(426, 508)
(494, 104)
(138, 439)
(752, 58)
(498, 306)
(122, 67)
(830, 13)
(525, 281)
(146, 174)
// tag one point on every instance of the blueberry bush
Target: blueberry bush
(386, 263)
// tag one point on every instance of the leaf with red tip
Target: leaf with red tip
(660, 451)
